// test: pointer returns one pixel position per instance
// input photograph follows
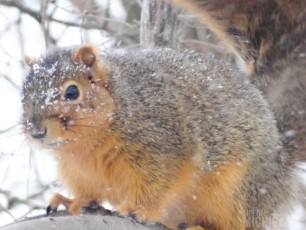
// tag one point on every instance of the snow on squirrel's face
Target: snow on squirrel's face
(65, 100)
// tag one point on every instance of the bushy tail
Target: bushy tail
(259, 31)
(269, 37)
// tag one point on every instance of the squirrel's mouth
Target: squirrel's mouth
(56, 143)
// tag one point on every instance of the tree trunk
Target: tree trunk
(90, 219)
(158, 24)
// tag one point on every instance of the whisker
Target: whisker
(11, 133)
(12, 128)
(24, 143)
(11, 136)
(21, 145)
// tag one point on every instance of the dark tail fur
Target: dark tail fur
(270, 37)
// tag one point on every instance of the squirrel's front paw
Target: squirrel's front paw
(72, 205)
(125, 210)
(144, 216)
(140, 215)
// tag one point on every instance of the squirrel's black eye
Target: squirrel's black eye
(72, 92)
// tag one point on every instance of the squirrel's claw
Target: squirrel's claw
(56, 200)
(48, 210)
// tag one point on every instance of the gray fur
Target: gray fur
(173, 103)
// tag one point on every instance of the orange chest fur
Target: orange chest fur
(103, 174)
(107, 174)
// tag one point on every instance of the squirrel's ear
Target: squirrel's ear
(87, 54)
(29, 60)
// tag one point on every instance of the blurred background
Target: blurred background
(30, 27)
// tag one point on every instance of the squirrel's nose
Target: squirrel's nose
(38, 134)
(35, 129)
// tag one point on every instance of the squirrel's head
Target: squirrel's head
(66, 100)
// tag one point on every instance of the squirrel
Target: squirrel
(269, 39)
(182, 139)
